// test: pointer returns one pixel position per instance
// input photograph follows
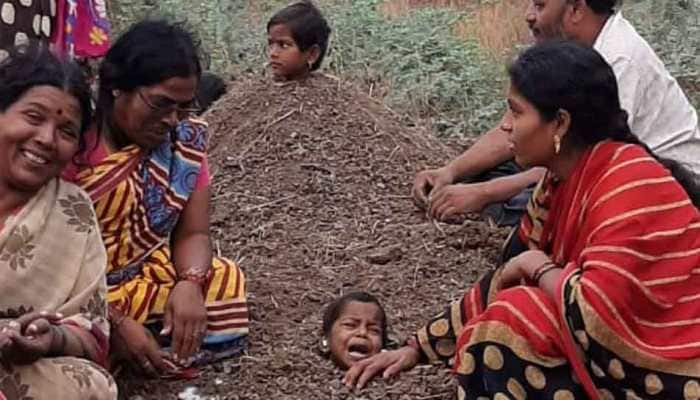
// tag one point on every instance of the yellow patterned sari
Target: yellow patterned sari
(138, 196)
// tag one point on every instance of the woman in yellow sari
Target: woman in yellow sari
(53, 324)
(147, 174)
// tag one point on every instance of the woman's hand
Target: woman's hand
(31, 337)
(452, 200)
(427, 182)
(521, 267)
(185, 312)
(186, 319)
(390, 362)
(132, 341)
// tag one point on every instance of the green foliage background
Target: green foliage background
(415, 62)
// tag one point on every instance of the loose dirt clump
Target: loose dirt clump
(311, 197)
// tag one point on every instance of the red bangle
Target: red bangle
(196, 276)
(541, 270)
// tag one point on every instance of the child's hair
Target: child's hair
(308, 26)
(336, 308)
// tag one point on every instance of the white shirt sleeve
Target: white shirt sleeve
(630, 87)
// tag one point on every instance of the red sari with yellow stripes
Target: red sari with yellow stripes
(138, 196)
(626, 321)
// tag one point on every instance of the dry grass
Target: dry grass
(498, 26)
(397, 8)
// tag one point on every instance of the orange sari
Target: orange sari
(626, 321)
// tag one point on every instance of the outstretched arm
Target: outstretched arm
(185, 313)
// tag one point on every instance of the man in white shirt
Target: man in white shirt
(659, 114)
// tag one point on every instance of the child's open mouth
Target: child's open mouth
(358, 351)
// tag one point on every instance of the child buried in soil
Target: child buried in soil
(354, 328)
(297, 40)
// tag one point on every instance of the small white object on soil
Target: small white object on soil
(190, 393)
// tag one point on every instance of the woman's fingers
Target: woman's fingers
(435, 202)
(178, 341)
(188, 342)
(371, 371)
(154, 357)
(5, 339)
(37, 327)
(150, 359)
(363, 371)
(393, 369)
(30, 347)
(448, 212)
(167, 322)
(33, 323)
(28, 318)
(354, 372)
(421, 189)
(200, 334)
(146, 365)
(442, 205)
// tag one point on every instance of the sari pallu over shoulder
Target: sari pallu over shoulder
(138, 195)
(629, 238)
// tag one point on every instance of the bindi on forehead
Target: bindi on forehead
(64, 112)
(59, 111)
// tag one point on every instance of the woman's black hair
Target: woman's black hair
(34, 65)
(563, 75)
(308, 26)
(211, 88)
(603, 7)
(148, 53)
(335, 309)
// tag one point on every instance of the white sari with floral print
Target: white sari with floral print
(52, 258)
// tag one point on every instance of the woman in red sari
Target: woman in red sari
(605, 301)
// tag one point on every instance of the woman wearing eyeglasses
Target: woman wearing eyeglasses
(147, 174)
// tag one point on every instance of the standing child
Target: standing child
(354, 328)
(297, 40)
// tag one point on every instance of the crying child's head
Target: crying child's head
(355, 327)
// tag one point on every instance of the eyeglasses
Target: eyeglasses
(191, 107)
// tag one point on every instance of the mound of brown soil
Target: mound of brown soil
(311, 197)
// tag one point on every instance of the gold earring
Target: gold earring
(557, 144)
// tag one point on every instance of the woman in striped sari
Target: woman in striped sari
(148, 178)
(604, 303)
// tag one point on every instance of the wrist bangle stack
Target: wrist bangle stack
(197, 276)
(541, 270)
